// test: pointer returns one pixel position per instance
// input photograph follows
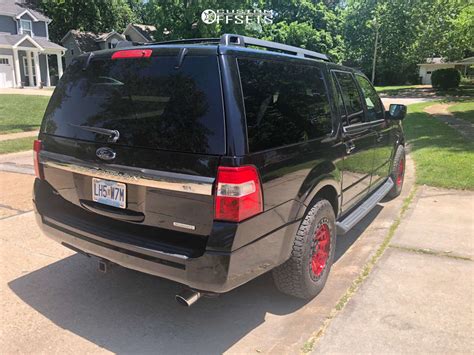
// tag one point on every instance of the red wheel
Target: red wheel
(398, 172)
(305, 273)
(320, 249)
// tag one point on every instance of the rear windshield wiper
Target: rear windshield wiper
(113, 134)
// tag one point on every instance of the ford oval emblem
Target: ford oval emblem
(105, 153)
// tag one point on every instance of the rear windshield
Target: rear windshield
(149, 101)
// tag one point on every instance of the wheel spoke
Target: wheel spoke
(320, 250)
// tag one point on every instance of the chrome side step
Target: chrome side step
(360, 212)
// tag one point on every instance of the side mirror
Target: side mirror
(397, 112)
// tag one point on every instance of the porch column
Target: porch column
(16, 66)
(48, 78)
(37, 69)
(30, 69)
(60, 65)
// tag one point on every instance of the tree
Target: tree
(87, 15)
(309, 24)
(409, 32)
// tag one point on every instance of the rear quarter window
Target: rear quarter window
(284, 103)
(151, 102)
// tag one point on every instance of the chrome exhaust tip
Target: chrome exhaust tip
(187, 297)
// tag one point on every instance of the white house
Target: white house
(465, 66)
(78, 42)
(25, 48)
(139, 33)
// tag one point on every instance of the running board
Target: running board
(360, 212)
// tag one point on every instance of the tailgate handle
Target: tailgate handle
(122, 215)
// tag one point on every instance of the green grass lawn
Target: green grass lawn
(463, 110)
(16, 145)
(442, 156)
(20, 113)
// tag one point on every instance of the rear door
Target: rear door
(358, 139)
(384, 132)
(138, 139)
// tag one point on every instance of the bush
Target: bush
(446, 78)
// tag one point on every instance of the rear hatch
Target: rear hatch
(136, 137)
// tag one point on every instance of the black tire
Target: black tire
(398, 172)
(297, 277)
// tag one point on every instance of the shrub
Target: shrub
(446, 78)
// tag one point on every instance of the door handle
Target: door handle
(350, 147)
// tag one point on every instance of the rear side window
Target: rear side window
(350, 97)
(284, 103)
(372, 101)
(149, 101)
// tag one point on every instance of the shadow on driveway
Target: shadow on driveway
(125, 311)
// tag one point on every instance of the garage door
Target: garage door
(6, 71)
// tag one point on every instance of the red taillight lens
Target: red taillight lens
(37, 164)
(132, 53)
(238, 193)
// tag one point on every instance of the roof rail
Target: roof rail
(189, 41)
(238, 40)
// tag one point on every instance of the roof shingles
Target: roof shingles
(14, 8)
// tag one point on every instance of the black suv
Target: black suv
(211, 162)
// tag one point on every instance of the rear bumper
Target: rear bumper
(213, 271)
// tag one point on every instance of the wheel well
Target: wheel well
(329, 193)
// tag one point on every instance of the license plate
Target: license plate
(109, 193)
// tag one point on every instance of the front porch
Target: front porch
(32, 67)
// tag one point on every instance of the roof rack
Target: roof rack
(238, 40)
(243, 41)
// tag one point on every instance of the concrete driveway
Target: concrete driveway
(53, 300)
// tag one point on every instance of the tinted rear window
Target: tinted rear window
(150, 102)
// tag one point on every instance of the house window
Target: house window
(25, 67)
(4, 61)
(26, 27)
(113, 43)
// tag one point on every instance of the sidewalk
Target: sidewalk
(32, 91)
(441, 112)
(21, 162)
(8, 136)
(419, 297)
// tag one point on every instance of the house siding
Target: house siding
(7, 24)
(26, 44)
(105, 45)
(6, 51)
(70, 43)
(39, 29)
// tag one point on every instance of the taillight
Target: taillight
(238, 193)
(132, 53)
(37, 164)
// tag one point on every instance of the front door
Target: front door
(6, 71)
(358, 138)
(25, 70)
(383, 129)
